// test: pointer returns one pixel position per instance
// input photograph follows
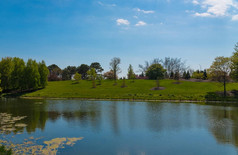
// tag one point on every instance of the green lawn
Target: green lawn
(140, 89)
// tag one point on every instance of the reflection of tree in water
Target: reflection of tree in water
(174, 117)
(224, 124)
(34, 110)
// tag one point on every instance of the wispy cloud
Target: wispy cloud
(107, 5)
(145, 11)
(235, 17)
(141, 23)
(121, 21)
(215, 8)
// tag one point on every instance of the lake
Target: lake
(117, 127)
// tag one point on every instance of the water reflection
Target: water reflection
(123, 119)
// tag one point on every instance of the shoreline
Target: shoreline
(132, 100)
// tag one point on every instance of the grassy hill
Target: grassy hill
(140, 90)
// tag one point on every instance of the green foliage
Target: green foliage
(131, 74)
(220, 70)
(32, 75)
(6, 68)
(155, 71)
(83, 69)
(98, 68)
(234, 63)
(197, 75)
(18, 76)
(68, 72)
(77, 77)
(44, 72)
(92, 76)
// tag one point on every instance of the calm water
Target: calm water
(107, 127)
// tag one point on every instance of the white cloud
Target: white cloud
(235, 17)
(144, 11)
(195, 2)
(141, 23)
(215, 8)
(205, 14)
(121, 21)
(107, 5)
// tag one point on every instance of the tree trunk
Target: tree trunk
(224, 86)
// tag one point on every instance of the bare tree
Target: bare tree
(115, 67)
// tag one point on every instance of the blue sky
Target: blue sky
(72, 32)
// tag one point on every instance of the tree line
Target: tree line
(17, 75)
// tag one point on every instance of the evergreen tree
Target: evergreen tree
(187, 76)
(171, 75)
(204, 74)
(184, 75)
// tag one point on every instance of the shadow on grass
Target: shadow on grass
(15, 94)
(219, 96)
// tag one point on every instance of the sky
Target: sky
(74, 32)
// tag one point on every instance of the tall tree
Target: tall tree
(44, 72)
(97, 66)
(115, 67)
(6, 67)
(92, 76)
(220, 70)
(17, 75)
(131, 74)
(82, 69)
(234, 63)
(32, 75)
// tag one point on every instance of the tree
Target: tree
(155, 71)
(234, 63)
(108, 75)
(44, 72)
(55, 73)
(77, 77)
(17, 74)
(187, 77)
(220, 70)
(65, 74)
(131, 74)
(177, 76)
(82, 69)
(115, 67)
(6, 67)
(204, 74)
(32, 75)
(92, 76)
(97, 67)
(68, 72)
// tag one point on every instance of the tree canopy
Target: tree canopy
(155, 71)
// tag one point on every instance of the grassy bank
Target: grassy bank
(139, 90)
